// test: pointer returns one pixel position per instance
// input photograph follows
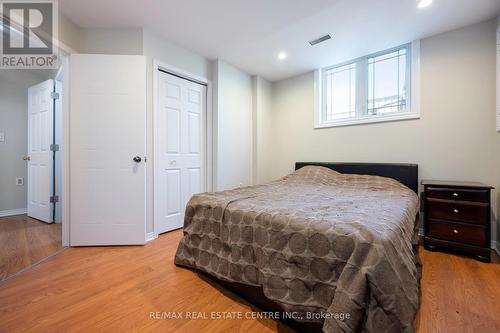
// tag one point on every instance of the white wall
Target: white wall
(233, 121)
(69, 35)
(455, 139)
(110, 41)
(498, 188)
(155, 46)
(14, 86)
(262, 118)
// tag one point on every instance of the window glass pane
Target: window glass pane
(387, 91)
(340, 92)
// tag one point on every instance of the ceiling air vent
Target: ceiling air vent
(320, 39)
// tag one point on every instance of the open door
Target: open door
(107, 150)
(39, 158)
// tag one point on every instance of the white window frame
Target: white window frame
(414, 103)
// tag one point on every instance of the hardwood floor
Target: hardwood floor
(116, 289)
(24, 242)
(459, 294)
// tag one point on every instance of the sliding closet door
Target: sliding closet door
(107, 149)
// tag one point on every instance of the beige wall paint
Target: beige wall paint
(75, 39)
(69, 35)
(110, 41)
(498, 188)
(262, 118)
(155, 46)
(233, 126)
(455, 139)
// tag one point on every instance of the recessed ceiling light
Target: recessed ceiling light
(282, 56)
(424, 3)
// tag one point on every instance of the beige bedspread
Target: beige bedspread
(316, 241)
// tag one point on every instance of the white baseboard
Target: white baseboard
(12, 212)
(151, 236)
(495, 245)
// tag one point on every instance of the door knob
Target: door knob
(26, 158)
(137, 159)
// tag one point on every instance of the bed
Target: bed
(331, 246)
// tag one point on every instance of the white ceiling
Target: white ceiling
(250, 33)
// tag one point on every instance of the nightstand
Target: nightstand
(457, 217)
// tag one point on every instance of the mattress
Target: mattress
(325, 246)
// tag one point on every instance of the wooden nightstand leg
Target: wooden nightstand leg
(429, 247)
(482, 258)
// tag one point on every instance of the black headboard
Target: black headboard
(405, 173)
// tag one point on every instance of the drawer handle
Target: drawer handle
(456, 211)
(455, 194)
(455, 231)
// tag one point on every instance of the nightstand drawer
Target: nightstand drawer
(458, 194)
(470, 212)
(456, 232)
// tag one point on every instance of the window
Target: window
(374, 88)
(387, 85)
(340, 91)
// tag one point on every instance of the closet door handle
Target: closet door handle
(137, 159)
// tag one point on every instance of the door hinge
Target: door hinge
(54, 95)
(54, 199)
(54, 147)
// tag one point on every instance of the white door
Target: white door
(180, 167)
(107, 149)
(40, 137)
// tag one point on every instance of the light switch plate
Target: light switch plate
(2, 137)
(19, 181)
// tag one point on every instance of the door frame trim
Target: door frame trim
(64, 75)
(158, 67)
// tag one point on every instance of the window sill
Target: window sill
(368, 120)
